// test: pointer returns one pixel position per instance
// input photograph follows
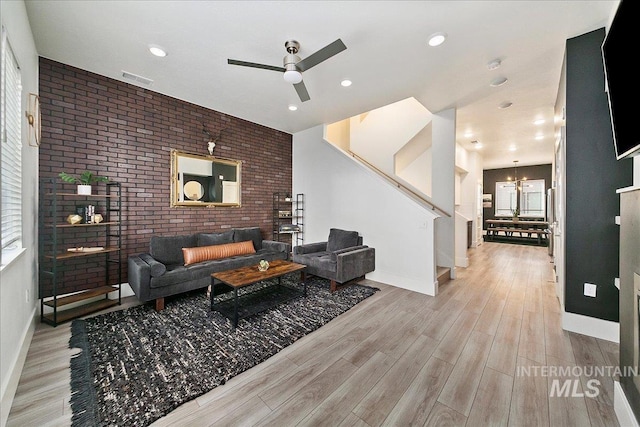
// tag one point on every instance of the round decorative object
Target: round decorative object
(74, 219)
(193, 190)
(263, 265)
(97, 218)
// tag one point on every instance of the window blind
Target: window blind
(11, 149)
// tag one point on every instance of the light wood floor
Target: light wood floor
(397, 359)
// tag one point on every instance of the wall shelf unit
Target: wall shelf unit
(288, 217)
(88, 251)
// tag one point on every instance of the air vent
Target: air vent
(138, 79)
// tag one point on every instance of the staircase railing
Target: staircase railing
(401, 186)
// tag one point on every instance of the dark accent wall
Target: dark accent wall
(126, 133)
(491, 176)
(592, 177)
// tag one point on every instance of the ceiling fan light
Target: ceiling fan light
(292, 76)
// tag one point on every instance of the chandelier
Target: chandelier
(517, 182)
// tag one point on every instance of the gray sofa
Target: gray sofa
(340, 259)
(162, 273)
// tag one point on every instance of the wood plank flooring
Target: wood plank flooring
(397, 359)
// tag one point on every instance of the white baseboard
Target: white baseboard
(590, 326)
(9, 388)
(416, 284)
(626, 417)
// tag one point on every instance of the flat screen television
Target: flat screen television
(619, 51)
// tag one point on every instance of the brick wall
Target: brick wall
(124, 132)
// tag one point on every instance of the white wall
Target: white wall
(444, 152)
(471, 163)
(378, 135)
(18, 279)
(341, 193)
(418, 173)
(468, 174)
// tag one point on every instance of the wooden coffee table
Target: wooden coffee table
(245, 276)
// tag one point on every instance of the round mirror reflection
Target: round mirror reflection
(193, 190)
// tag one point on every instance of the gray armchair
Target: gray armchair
(340, 259)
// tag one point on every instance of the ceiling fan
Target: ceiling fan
(294, 66)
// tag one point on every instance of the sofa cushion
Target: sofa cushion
(155, 268)
(318, 260)
(205, 253)
(208, 239)
(168, 249)
(341, 239)
(252, 233)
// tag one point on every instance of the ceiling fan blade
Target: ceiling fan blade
(322, 55)
(302, 91)
(254, 65)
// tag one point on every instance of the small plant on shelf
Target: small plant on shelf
(84, 180)
(516, 213)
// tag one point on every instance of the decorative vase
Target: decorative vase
(263, 265)
(84, 190)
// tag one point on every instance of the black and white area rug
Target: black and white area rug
(137, 365)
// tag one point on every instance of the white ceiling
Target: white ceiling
(387, 58)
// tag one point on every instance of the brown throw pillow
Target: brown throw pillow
(206, 253)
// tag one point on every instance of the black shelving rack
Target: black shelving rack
(298, 213)
(55, 235)
(288, 217)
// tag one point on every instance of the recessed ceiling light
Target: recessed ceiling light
(436, 39)
(478, 145)
(346, 83)
(505, 104)
(157, 50)
(539, 137)
(512, 148)
(468, 135)
(292, 108)
(498, 82)
(538, 122)
(494, 64)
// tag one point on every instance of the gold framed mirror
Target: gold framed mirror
(201, 180)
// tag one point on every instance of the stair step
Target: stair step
(443, 274)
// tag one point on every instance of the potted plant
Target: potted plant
(84, 180)
(515, 213)
(263, 265)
